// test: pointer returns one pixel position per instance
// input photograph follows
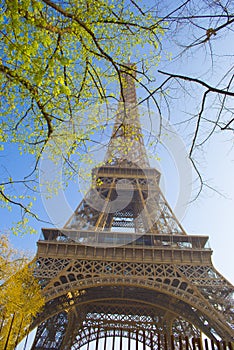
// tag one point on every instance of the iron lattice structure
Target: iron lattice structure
(123, 265)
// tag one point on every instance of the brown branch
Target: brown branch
(16, 182)
(138, 7)
(84, 79)
(226, 127)
(198, 123)
(165, 18)
(54, 52)
(99, 80)
(33, 90)
(24, 208)
(198, 81)
(224, 24)
(38, 23)
(198, 17)
(216, 123)
(96, 84)
(154, 91)
(9, 200)
(22, 118)
(89, 31)
(209, 33)
(73, 17)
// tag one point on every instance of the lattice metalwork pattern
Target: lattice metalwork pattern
(51, 332)
(132, 204)
(140, 322)
(162, 281)
(126, 145)
(199, 286)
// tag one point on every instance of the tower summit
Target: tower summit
(123, 266)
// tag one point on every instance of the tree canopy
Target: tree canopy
(57, 59)
(60, 57)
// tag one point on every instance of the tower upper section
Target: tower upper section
(126, 146)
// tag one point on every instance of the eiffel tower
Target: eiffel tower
(123, 266)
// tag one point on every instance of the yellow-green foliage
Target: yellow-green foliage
(57, 59)
(20, 293)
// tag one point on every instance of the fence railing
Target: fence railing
(155, 341)
(184, 343)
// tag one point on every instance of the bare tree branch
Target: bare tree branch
(198, 81)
